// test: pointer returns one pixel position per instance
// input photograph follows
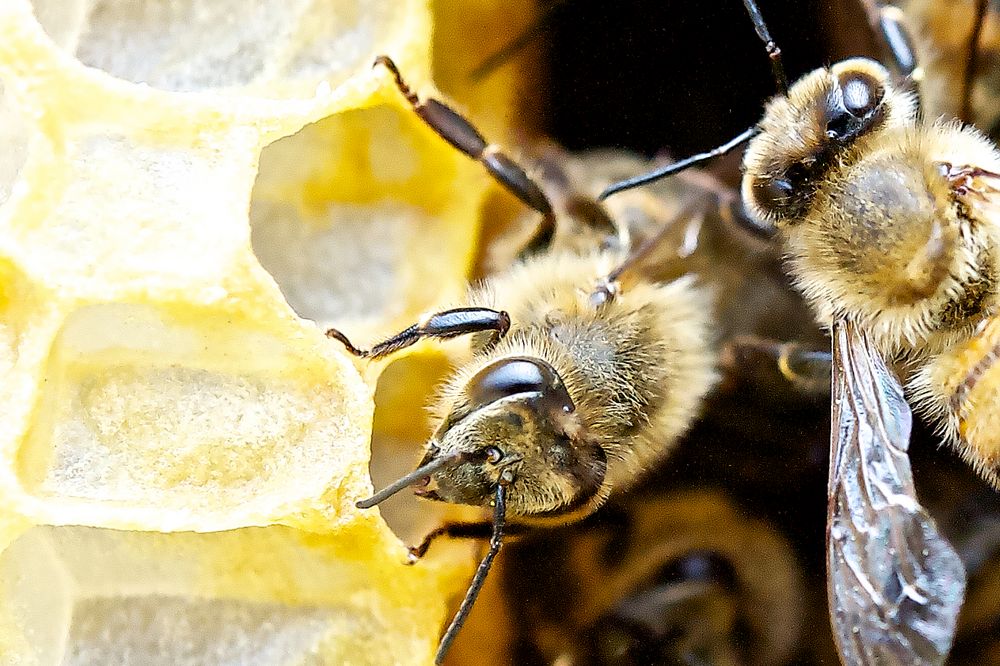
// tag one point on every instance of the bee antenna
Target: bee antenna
(773, 52)
(677, 167)
(407, 481)
(499, 517)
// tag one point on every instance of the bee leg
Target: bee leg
(580, 207)
(470, 530)
(644, 256)
(890, 25)
(463, 135)
(808, 370)
(965, 180)
(442, 325)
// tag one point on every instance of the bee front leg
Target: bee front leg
(466, 530)
(968, 180)
(442, 325)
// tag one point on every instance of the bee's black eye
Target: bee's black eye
(861, 93)
(856, 109)
(508, 376)
(514, 376)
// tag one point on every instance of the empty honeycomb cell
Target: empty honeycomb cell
(194, 420)
(168, 214)
(35, 617)
(171, 630)
(283, 49)
(400, 430)
(366, 218)
(62, 20)
(28, 321)
(250, 596)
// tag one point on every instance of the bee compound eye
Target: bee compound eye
(493, 455)
(506, 377)
(773, 194)
(516, 375)
(861, 93)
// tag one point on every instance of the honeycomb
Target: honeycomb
(190, 190)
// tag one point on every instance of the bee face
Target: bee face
(514, 423)
(811, 130)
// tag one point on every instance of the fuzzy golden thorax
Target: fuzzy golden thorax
(892, 243)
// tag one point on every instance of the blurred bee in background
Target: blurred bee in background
(683, 577)
(890, 225)
(957, 46)
(598, 363)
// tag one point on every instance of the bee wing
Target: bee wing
(661, 244)
(895, 584)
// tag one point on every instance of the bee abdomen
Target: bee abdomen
(961, 386)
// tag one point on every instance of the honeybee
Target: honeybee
(891, 223)
(890, 226)
(586, 378)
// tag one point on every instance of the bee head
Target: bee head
(514, 423)
(811, 129)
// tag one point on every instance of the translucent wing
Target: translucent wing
(895, 584)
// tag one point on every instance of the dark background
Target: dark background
(683, 76)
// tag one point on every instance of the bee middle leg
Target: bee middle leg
(890, 26)
(972, 60)
(580, 207)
